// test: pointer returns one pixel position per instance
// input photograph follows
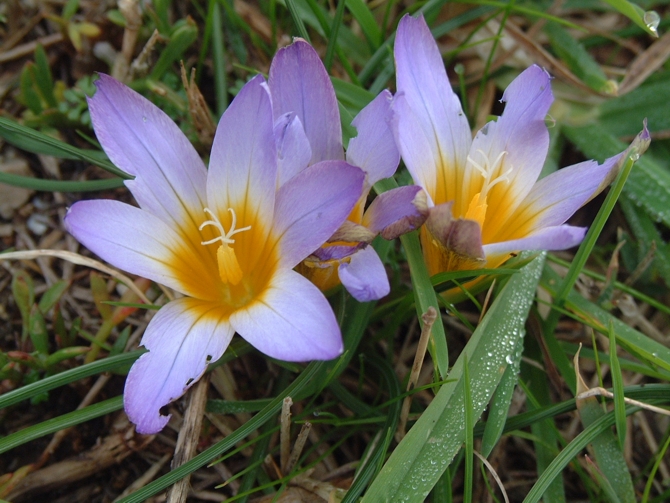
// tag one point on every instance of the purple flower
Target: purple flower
(484, 195)
(308, 121)
(225, 238)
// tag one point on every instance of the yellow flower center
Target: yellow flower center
(478, 205)
(229, 268)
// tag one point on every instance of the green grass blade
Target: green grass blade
(354, 98)
(292, 7)
(367, 22)
(611, 464)
(617, 386)
(502, 399)
(39, 143)
(67, 377)
(635, 14)
(60, 185)
(546, 437)
(219, 62)
(181, 39)
(579, 262)
(578, 59)
(424, 293)
(636, 343)
(60, 423)
(572, 449)
(645, 231)
(332, 39)
(659, 458)
(421, 458)
(649, 183)
(294, 390)
(469, 440)
(374, 460)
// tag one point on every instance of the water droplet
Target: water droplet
(509, 359)
(652, 20)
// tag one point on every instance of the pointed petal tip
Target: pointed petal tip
(642, 140)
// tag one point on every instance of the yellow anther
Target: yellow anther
(477, 209)
(229, 267)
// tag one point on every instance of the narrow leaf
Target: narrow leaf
(424, 454)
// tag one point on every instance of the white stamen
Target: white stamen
(224, 236)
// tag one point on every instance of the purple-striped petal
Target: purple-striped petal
(519, 139)
(133, 240)
(397, 211)
(432, 132)
(293, 150)
(143, 141)
(299, 83)
(243, 164)
(291, 321)
(364, 276)
(312, 205)
(560, 237)
(373, 149)
(337, 252)
(182, 338)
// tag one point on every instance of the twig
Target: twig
(285, 434)
(603, 392)
(187, 440)
(494, 474)
(428, 318)
(298, 447)
(29, 47)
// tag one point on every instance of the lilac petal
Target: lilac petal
(136, 241)
(182, 338)
(299, 83)
(374, 150)
(397, 211)
(243, 165)
(432, 132)
(292, 321)
(293, 150)
(143, 141)
(520, 139)
(312, 205)
(364, 276)
(556, 197)
(560, 237)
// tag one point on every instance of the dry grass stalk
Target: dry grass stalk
(428, 318)
(189, 434)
